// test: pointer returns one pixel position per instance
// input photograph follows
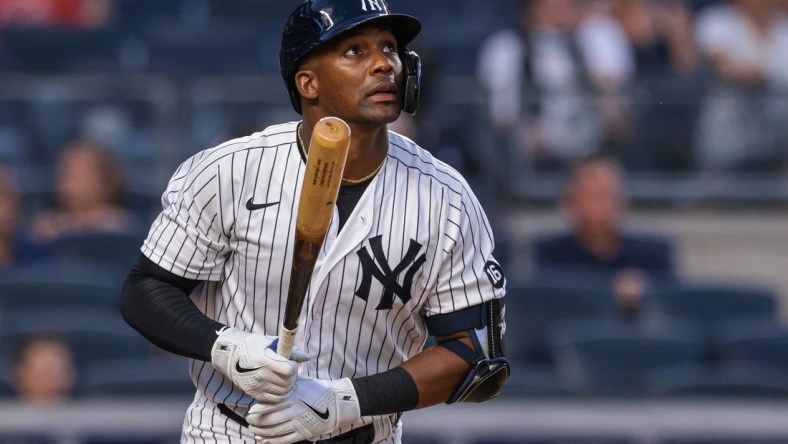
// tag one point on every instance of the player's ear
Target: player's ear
(306, 83)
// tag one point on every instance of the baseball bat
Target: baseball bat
(325, 164)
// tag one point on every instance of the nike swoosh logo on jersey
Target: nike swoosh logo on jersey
(323, 415)
(240, 369)
(251, 206)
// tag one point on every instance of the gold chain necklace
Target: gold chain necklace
(301, 146)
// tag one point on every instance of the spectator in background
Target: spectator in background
(660, 34)
(664, 59)
(597, 245)
(44, 372)
(555, 82)
(55, 13)
(89, 189)
(16, 245)
(743, 118)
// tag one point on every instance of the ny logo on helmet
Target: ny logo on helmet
(374, 5)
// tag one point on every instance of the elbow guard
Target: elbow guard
(489, 367)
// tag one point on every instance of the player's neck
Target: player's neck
(367, 153)
(368, 149)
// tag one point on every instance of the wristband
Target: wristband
(392, 391)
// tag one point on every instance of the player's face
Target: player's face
(357, 77)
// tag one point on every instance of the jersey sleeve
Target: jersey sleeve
(469, 274)
(188, 236)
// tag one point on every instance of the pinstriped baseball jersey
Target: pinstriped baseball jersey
(417, 243)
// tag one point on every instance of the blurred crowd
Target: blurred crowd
(593, 89)
(55, 13)
(88, 197)
(659, 84)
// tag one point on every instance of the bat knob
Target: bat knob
(331, 132)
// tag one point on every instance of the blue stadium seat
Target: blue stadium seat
(6, 389)
(94, 334)
(758, 339)
(603, 357)
(136, 377)
(529, 380)
(728, 379)
(134, 15)
(60, 48)
(713, 302)
(109, 248)
(20, 294)
(533, 306)
(271, 13)
(14, 145)
(211, 48)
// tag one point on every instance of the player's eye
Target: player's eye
(353, 50)
(390, 48)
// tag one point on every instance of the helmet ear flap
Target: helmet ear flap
(411, 85)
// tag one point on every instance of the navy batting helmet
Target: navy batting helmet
(318, 21)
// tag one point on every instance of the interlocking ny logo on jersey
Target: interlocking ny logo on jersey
(371, 5)
(385, 275)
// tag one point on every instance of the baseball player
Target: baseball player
(408, 255)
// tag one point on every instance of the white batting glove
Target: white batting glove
(314, 408)
(251, 362)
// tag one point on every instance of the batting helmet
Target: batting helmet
(318, 21)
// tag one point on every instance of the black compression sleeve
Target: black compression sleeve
(393, 391)
(157, 304)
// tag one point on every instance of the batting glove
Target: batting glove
(313, 409)
(251, 362)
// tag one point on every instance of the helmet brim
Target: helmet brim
(404, 27)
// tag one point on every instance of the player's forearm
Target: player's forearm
(429, 378)
(438, 373)
(159, 308)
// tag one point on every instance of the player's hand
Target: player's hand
(251, 362)
(314, 408)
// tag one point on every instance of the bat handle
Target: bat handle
(286, 341)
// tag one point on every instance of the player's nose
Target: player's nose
(382, 63)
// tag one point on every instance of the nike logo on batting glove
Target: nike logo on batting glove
(322, 415)
(240, 369)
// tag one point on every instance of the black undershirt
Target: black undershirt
(347, 198)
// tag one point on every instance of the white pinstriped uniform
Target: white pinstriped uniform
(417, 213)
